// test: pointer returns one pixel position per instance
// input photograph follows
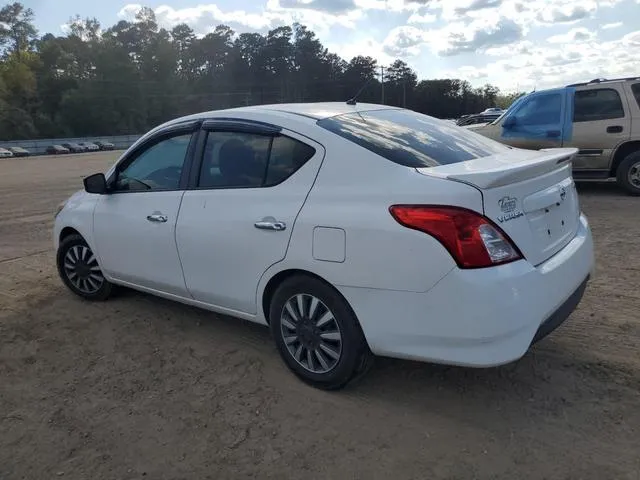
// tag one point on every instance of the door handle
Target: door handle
(270, 225)
(614, 129)
(157, 217)
(553, 133)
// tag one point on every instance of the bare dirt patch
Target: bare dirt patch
(139, 387)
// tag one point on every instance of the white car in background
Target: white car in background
(89, 147)
(4, 153)
(349, 230)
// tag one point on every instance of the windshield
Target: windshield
(411, 139)
(508, 110)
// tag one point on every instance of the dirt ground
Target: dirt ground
(139, 387)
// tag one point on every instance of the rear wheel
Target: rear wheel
(628, 173)
(79, 270)
(317, 333)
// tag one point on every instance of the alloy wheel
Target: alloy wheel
(634, 175)
(311, 333)
(82, 269)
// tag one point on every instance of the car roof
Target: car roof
(319, 110)
(315, 111)
(597, 81)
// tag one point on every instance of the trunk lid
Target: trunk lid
(529, 194)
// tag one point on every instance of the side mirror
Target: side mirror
(95, 183)
(509, 122)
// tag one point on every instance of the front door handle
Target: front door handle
(614, 129)
(157, 217)
(270, 225)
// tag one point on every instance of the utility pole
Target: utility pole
(404, 93)
(382, 82)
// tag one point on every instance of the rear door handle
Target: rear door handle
(614, 129)
(157, 217)
(553, 133)
(270, 225)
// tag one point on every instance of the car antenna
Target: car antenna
(352, 100)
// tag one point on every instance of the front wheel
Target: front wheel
(628, 173)
(317, 334)
(79, 270)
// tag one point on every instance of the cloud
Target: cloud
(404, 41)
(204, 18)
(575, 35)
(632, 40)
(524, 12)
(567, 13)
(523, 47)
(389, 5)
(609, 26)
(478, 36)
(467, 73)
(561, 64)
(330, 6)
(425, 18)
(456, 9)
(367, 46)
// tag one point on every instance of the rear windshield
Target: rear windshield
(411, 139)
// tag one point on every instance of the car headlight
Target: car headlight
(59, 208)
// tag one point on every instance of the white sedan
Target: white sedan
(351, 231)
(89, 147)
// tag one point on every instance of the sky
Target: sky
(517, 45)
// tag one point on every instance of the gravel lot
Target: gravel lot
(138, 387)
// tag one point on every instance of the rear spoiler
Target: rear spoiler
(499, 170)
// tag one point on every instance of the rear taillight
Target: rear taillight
(472, 239)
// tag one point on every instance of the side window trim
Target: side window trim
(225, 124)
(171, 131)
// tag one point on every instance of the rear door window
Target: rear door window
(411, 139)
(597, 104)
(241, 159)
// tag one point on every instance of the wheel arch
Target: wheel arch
(277, 279)
(621, 153)
(67, 232)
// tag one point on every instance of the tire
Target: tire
(334, 362)
(79, 270)
(628, 173)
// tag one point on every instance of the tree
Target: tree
(130, 76)
(17, 31)
(400, 82)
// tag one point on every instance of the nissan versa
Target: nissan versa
(351, 230)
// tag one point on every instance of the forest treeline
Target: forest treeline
(129, 77)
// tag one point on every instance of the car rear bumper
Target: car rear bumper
(480, 318)
(563, 312)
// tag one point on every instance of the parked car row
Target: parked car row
(487, 116)
(14, 152)
(59, 149)
(79, 147)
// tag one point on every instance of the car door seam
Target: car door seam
(175, 242)
(304, 202)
